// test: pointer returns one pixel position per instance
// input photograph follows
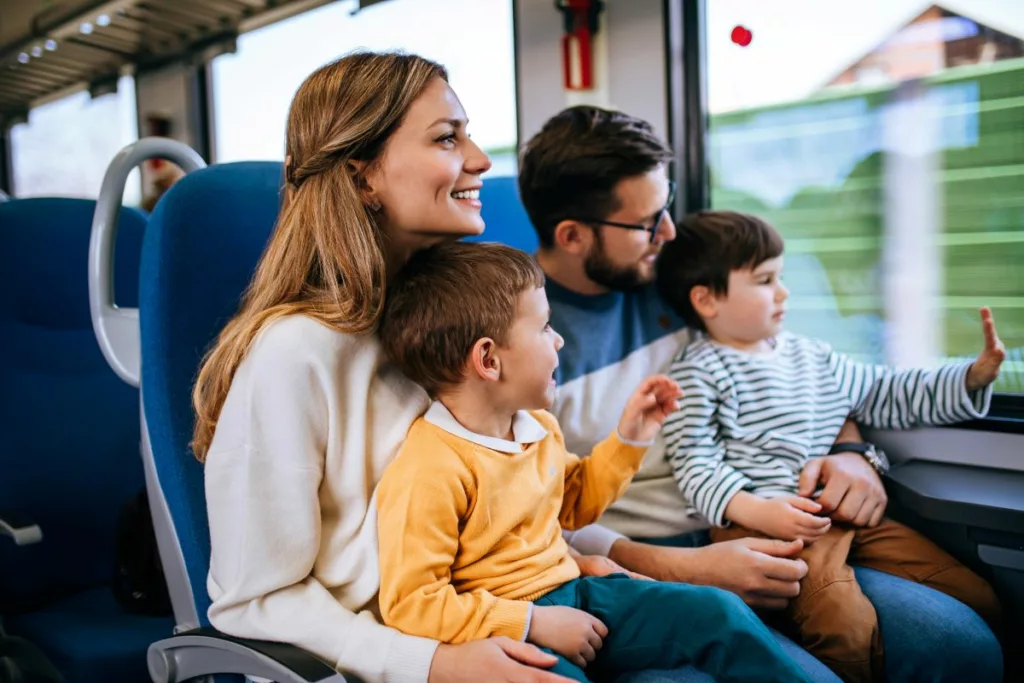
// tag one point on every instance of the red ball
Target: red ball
(742, 36)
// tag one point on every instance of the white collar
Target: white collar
(525, 429)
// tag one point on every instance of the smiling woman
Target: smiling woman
(377, 151)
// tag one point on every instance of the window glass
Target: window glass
(884, 140)
(66, 146)
(254, 86)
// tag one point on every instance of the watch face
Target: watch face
(883, 460)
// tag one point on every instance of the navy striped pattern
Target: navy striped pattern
(751, 422)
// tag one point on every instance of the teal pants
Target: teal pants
(657, 625)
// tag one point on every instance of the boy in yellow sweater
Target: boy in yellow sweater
(470, 512)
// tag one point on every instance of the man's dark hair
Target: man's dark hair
(570, 168)
(708, 246)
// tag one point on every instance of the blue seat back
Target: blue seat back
(202, 245)
(70, 453)
(204, 240)
(504, 215)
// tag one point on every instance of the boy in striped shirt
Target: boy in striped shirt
(759, 402)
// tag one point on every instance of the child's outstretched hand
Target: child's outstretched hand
(648, 407)
(985, 370)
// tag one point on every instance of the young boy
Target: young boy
(758, 403)
(470, 512)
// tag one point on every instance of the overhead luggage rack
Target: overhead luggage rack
(75, 45)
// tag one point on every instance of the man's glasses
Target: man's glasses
(652, 229)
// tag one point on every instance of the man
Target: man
(595, 186)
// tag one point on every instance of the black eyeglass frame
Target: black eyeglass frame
(653, 229)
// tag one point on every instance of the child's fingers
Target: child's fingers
(816, 525)
(804, 504)
(809, 521)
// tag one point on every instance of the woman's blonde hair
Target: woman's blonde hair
(325, 257)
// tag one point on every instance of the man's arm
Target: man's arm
(765, 573)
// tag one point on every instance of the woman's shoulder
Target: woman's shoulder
(301, 339)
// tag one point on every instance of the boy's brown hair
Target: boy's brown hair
(448, 297)
(570, 169)
(708, 246)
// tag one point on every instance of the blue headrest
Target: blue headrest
(70, 453)
(204, 240)
(504, 215)
(44, 261)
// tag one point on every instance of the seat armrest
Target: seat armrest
(206, 651)
(23, 531)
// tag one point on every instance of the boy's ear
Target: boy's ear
(704, 301)
(573, 237)
(484, 361)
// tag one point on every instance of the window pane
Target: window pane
(254, 87)
(885, 140)
(66, 146)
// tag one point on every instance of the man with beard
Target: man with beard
(595, 185)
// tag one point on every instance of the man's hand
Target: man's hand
(853, 492)
(501, 660)
(765, 573)
(597, 565)
(570, 632)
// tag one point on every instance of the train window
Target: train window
(254, 86)
(65, 147)
(884, 140)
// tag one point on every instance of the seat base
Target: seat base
(89, 637)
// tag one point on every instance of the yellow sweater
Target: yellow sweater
(469, 535)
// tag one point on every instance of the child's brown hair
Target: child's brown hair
(708, 246)
(448, 297)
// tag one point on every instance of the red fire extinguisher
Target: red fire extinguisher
(580, 22)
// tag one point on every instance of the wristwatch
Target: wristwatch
(875, 457)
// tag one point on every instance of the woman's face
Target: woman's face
(428, 179)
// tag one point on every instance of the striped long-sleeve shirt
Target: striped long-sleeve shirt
(750, 422)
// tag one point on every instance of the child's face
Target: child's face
(529, 359)
(754, 307)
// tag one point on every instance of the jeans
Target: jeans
(928, 636)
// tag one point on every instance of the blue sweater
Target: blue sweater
(612, 342)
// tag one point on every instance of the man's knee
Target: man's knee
(977, 593)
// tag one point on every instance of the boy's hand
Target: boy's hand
(648, 408)
(985, 370)
(788, 518)
(572, 633)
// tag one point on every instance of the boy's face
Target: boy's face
(754, 307)
(529, 359)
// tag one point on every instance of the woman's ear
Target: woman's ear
(573, 237)
(704, 302)
(357, 171)
(484, 361)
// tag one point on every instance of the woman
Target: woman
(297, 415)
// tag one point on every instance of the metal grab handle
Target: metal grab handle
(117, 329)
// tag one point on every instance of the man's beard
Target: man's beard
(601, 270)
